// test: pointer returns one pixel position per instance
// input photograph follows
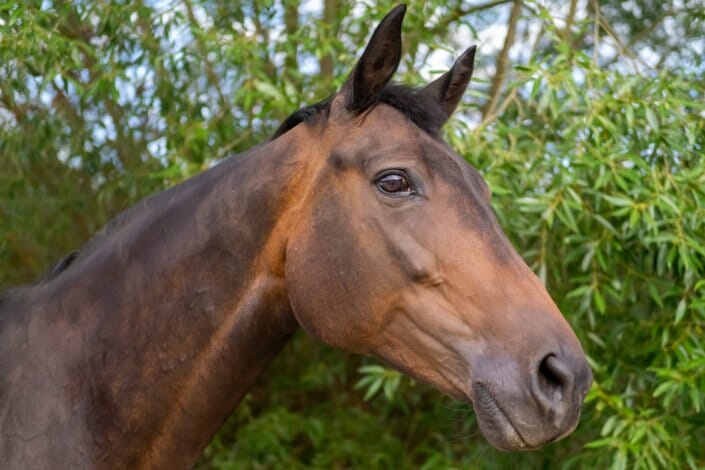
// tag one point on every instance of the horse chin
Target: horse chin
(502, 432)
(494, 423)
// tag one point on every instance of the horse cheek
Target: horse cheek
(324, 280)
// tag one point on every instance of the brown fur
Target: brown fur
(134, 353)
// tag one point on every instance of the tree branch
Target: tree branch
(566, 33)
(502, 60)
(210, 71)
(330, 11)
(460, 12)
(291, 23)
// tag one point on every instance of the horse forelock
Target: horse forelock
(420, 108)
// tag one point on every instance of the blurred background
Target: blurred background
(586, 118)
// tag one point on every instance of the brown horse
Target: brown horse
(356, 222)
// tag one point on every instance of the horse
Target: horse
(356, 222)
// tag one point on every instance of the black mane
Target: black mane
(419, 108)
(62, 265)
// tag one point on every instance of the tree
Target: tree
(587, 123)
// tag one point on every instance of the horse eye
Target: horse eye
(395, 184)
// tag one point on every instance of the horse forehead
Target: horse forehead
(389, 125)
(445, 164)
(388, 122)
(356, 148)
(384, 131)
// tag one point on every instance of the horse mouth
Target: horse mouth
(494, 423)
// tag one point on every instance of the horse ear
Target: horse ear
(377, 64)
(448, 89)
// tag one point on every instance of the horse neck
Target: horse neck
(180, 309)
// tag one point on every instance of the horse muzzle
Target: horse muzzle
(519, 412)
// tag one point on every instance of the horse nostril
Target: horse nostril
(555, 380)
(551, 377)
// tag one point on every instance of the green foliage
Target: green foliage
(596, 168)
(376, 378)
(602, 189)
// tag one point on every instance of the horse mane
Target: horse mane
(61, 266)
(112, 226)
(420, 108)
